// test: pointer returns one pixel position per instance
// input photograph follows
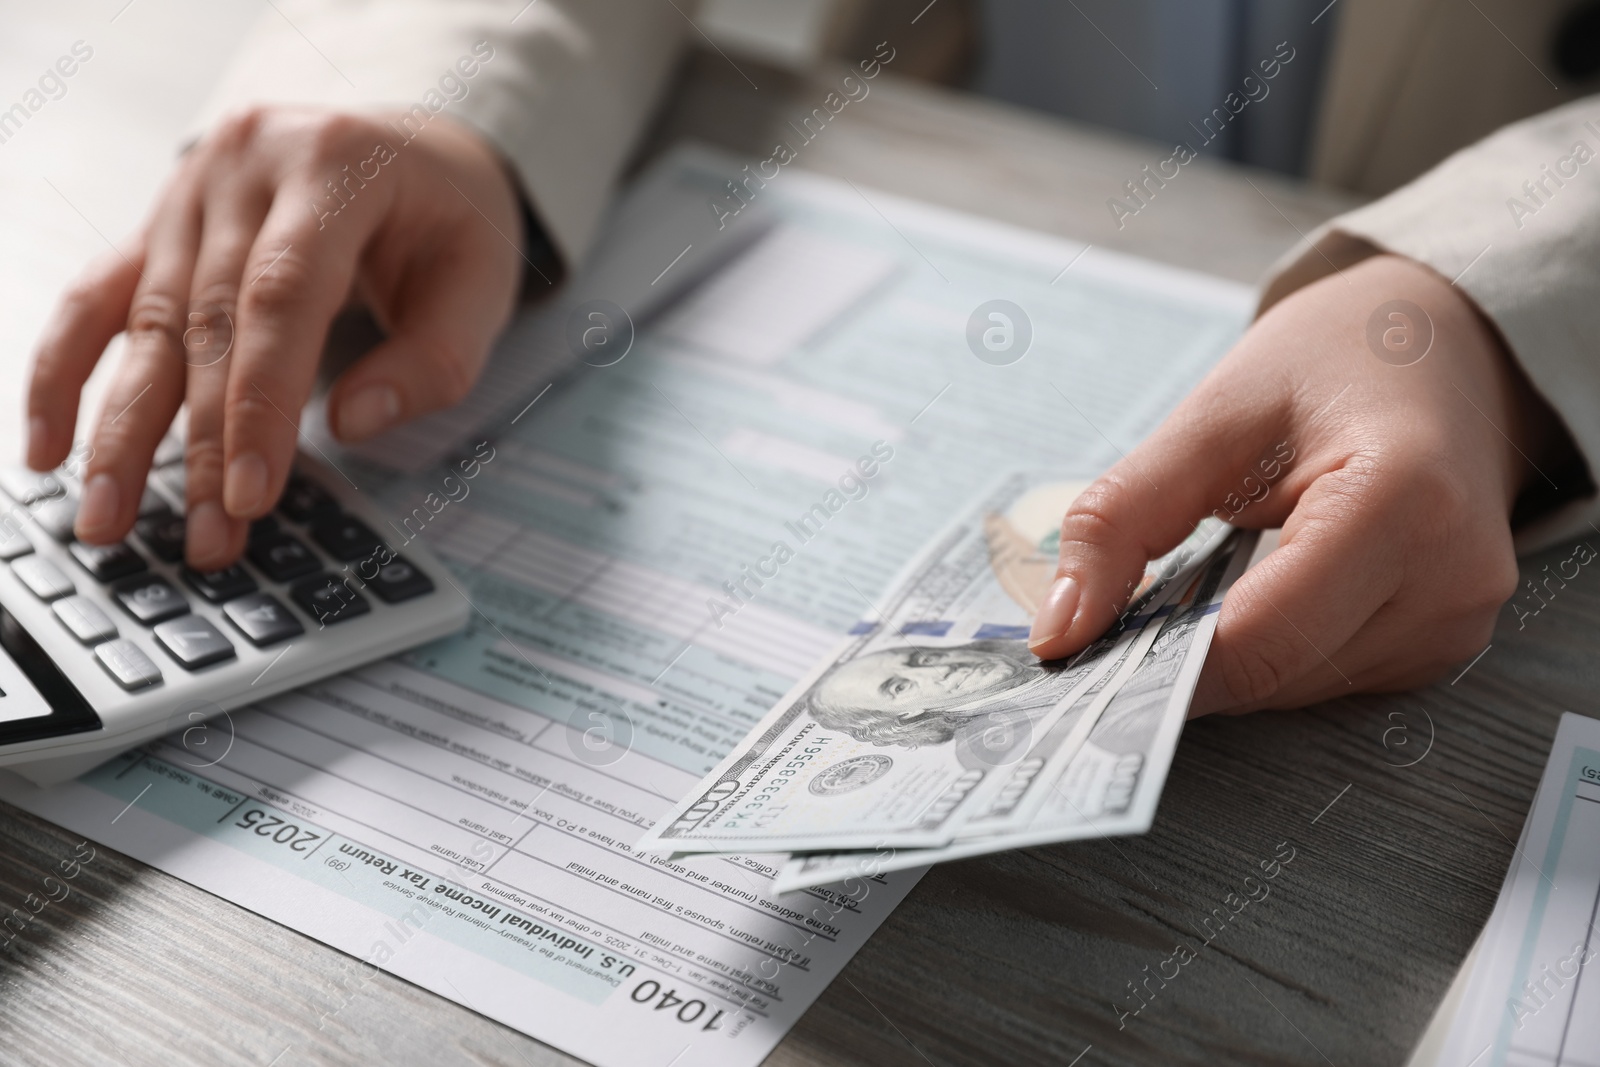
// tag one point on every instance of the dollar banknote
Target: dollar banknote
(1110, 784)
(1012, 796)
(919, 716)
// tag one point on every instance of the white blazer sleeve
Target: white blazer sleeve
(1514, 220)
(560, 87)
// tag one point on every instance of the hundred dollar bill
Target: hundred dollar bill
(1090, 680)
(1015, 795)
(1111, 785)
(902, 729)
(1011, 797)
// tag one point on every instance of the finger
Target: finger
(91, 312)
(1287, 617)
(1143, 507)
(1405, 645)
(234, 209)
(300, 275)
(439, 346)
(148, 388)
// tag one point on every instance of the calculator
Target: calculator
(104, 647)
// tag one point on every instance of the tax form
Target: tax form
(1529, 995)
(464, 816)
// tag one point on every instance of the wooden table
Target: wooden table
(1012, 959)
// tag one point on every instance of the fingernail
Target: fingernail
(99, 507)
(244, 490)
(368, 411)
(1055, 614)
(38, 440)
(206, 534)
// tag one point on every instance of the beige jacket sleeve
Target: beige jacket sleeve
(1514, 220)
(561, 87)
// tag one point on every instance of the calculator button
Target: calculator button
(262, 619)
(107, 562)
(43, 578)
(13, 542)
(345, 537)
(328, 599)
(398, 580)
(282, 557)
(128, 664)
(150, 599)
(304, 500)
(162, 535)
(151, 503)
(263, 528)
(56, 516)
(29, 487)
(193, 642)
(84, 618)
(220, 586)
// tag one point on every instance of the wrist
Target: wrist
(1470, 356)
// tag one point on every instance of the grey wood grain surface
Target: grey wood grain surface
(1017, 958)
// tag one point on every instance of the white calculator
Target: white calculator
(106, 647)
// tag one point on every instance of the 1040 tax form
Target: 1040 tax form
(655, 549)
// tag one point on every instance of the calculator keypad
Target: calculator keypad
(262, 619)
(55, 516)
(328, 599)
(107, 563)
(162, 534)
(219, 587)
(28, 487)
(283, 557)
(345, 537)
(305, 501)
(398, 580)
(84, 618)
(127, 663)
(193, 641)
(279, 552)
(150, 599)
(43, 578)
(13, 542)
(263, 528)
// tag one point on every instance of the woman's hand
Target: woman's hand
(269, 225)
(1393, 485)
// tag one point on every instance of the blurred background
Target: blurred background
(1377, 91)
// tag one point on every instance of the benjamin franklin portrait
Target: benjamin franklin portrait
(915, 695)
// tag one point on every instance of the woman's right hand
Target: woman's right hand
(266, 229)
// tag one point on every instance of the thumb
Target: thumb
(1138, 510)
